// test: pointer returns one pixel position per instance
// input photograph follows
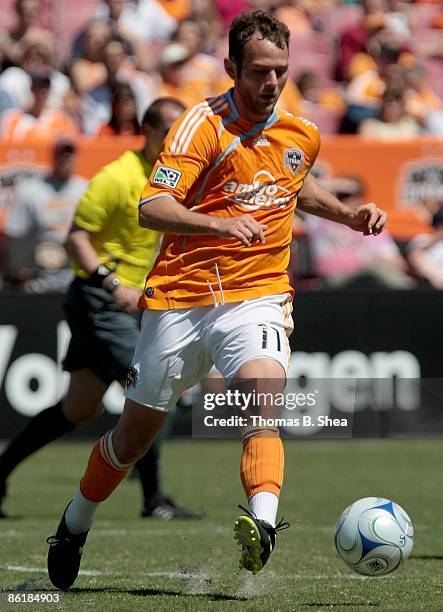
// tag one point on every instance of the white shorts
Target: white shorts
(177, 348)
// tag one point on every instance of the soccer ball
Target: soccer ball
(373, 536)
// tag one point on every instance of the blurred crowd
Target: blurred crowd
(368, 67)
(372, 67)
(327, 255)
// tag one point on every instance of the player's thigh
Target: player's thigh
(103, 337)
(253, 332)
(169, 357)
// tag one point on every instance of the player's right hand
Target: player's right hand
(243, 227)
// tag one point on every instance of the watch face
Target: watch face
(112, 285)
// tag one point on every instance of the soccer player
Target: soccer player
(224, 191)
(111, 254)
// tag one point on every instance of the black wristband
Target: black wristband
(96, 278)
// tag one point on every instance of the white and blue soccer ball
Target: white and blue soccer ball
(374, 535)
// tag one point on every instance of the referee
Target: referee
(111, 255)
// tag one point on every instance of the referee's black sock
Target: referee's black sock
(148, 468)
(42, 429)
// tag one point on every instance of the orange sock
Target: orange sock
(104, 472)
(262, 464)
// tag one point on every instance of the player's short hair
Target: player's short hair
(153, 115)
(244, 27)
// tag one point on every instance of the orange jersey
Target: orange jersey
(217, 163)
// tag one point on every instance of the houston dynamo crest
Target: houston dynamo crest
(293, 159)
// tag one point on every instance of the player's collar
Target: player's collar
(236, 117)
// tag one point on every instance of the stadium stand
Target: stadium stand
(349, 53)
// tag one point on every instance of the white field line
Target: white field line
(23, 569)
(176, 531)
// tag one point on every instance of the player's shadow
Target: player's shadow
(427, 557)
(148, 592)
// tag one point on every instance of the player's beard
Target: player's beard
(255, 105)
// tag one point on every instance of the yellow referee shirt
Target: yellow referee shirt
(109, 211)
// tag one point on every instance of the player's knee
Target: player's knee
(130, 451)
(131, 444)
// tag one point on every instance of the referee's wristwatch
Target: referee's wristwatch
(99, 276)
(111, 284)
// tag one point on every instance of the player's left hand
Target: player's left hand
(368, 219)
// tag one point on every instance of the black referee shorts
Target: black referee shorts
(103, 337)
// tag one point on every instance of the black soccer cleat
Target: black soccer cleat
(257, 538)
(164, 507)
(64, 555)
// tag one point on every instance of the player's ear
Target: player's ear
(230, 68)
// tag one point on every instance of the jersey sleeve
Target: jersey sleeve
(99, 201)
(189, 150)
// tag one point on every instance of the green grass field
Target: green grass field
(132, 564)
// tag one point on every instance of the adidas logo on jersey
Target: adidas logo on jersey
(260, 193)
(261, 141)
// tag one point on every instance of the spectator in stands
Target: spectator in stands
(314, 91)
(89, 71)
(421, 100)
(368, 77)
(38, 223)
(117, 15)
(425, 253)
(96, 103)
(38, 54)
(11, 43)
(355, 38)
(142, 23)
(342, 258)
(294, 15)
(38, 123)
(321, 104)
(123, 121)
(203, 74)
(206, 14)
(434, 123)
(393, 122)
(172, 67)
(6, 102)
(120, 69)
(363, 92)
